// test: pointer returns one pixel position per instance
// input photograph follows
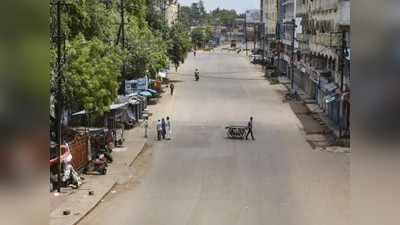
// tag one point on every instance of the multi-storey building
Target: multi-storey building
(321, 47)
(326, 31)
(171, 12)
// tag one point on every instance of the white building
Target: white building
(171, 12)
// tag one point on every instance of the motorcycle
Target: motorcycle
(196, 76)
(101, 146)
(70, 178)
(99, 165)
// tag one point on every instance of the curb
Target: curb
(139, 153)
(108, 191)
(95, 205)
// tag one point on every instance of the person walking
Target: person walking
(163, 128)
(250, 129)
(159, 130)
(172, 87)
(168, 128)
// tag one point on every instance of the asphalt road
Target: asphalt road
(202, 178)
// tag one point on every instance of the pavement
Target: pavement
(202, 178)
(78, 201)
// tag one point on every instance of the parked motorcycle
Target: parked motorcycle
(70, 178)
(100, 145)
(98, 165)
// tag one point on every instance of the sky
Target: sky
(238, 5)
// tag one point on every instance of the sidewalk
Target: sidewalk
(78, 201)
(320, 131)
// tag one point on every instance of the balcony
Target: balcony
(300, 10)
(329, 4)
(303, 37)
(287, 2)
(328, 40)
(343, 17)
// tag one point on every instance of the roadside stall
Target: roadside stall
(115, 122)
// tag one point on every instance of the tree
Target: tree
(91, 74)
(180, 44)
(186, 16)
(147, 53)
(223, 17)
(201, 36)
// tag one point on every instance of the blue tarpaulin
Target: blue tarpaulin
(146, 93)
(152, 91)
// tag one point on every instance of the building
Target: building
(325, 57)
(171, 12)
(318, 47)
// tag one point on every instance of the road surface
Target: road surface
(202, 178)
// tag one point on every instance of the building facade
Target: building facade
(171, 12)
(321, 54)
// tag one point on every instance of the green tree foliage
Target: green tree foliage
(180, 44)
(147, 53)
(92, 63)
(223, 17)
(90, 18)
(201, 36)
(186, 16)
(91, 74)
(198, 13)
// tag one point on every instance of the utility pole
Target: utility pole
(164, 9)
(293, 23)
(179, 13)
(278, 38)
(255, 31)
(122, 29)
(262, 33)
(245, 32)
(341, 68)
(59, 93)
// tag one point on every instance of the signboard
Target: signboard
(132, 86)
(253, 16)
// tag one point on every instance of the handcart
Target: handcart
(236, 132)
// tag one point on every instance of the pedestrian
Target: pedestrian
(159, 130)
(172, 86)
(168, 128)
(146, 125)
(250, 129)
(163, 128)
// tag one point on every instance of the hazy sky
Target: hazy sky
(238, 5)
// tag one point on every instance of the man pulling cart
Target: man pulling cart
(240, 132)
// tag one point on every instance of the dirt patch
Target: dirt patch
(316, 132)
(139, 169)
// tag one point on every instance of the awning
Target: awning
(330, 98)
(117, 106)
(152, 91)
(83, 112)
(131, 115)
(133, 102)
(162, 74)
(329, 87)
(146, 93)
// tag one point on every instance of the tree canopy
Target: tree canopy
(93, 55)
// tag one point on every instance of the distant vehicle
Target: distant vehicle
(233, 44)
